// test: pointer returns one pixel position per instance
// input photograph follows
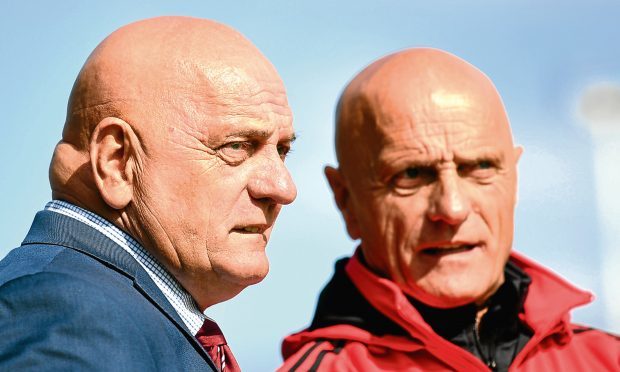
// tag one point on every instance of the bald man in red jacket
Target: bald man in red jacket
(427, 182)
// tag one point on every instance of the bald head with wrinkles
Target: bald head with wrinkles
(170, 119)
(413, 86)
(427, 175)
(163, 63)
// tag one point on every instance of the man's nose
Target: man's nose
(272, 181)
(449, 202)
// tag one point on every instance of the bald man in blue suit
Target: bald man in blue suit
(166, 184)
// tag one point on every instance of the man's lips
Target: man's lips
(444, 248)
(250, 229)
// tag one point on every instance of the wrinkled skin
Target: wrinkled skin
(427, 175)
(177, 130)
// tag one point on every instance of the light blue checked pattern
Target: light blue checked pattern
(176, 295)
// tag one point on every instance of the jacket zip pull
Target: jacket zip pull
(491, 364)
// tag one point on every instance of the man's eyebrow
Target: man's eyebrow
(250, 133)
(423, 163)
(472, 158)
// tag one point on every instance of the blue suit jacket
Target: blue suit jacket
(72, 299)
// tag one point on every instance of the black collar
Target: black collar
(341, 302)
(502, 314)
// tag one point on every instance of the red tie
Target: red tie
(212, 340)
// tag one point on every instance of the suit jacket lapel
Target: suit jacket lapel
(54, 228)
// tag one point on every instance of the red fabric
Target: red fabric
(556, 344)
(212, 340)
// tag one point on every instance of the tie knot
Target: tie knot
(210, 334)
(212, 340)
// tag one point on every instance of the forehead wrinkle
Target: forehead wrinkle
(435, 142)
(427, 131)
(255, 84)
(199, 112)
(250, 102)
(261, 110)
(250, 120)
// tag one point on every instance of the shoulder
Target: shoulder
(578, 348)
(392, 353)
(348, 348)
(597, 338)
(51, 289)
(62, 310)
(58, 321)
(59, 274)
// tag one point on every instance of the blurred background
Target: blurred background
(556, 64)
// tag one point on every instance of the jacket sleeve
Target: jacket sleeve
(54, 321)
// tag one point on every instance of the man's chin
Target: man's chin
(441, 299)
(248, 280)
(243, 274)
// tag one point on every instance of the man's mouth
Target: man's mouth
(254, 229)
(445, 249)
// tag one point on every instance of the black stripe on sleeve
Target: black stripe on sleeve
(579, 330)
(301, 360)
(338, 347)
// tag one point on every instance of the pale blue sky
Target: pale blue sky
(541, 55)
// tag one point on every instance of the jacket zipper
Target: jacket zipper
(490, 359)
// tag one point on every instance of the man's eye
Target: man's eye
(412, 177)
(412, 173)
(237, 146)
(485, 164)
(481, 169)
(283, 151)
(236, 152)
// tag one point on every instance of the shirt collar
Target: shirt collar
(178, 297)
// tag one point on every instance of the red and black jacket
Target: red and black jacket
(365, 323)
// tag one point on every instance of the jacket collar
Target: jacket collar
(57, 229)
(545, 288)
(548, 288)
(388, 315)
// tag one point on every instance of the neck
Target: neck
(479, 314)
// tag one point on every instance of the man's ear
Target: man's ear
(111, 151)
(518, 151)
(342, 198)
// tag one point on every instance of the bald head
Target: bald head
(160, 62)
(411, 87)
(427, 175)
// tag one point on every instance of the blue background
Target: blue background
(541, 56)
